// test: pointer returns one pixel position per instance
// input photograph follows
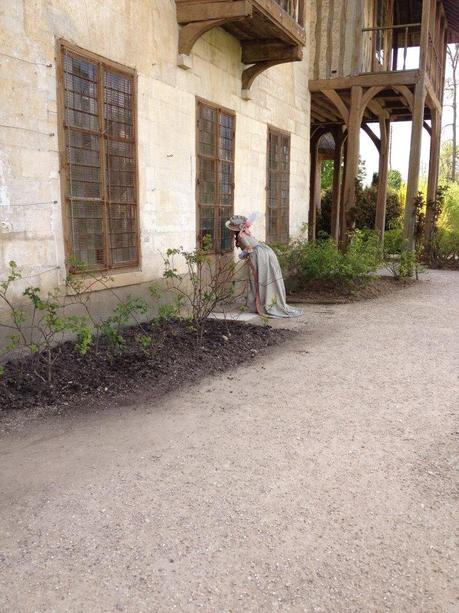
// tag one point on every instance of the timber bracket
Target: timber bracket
(198, 18)
(258, 54)
(263, 55)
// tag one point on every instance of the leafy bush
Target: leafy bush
(39, 325)
(444, 251)
(364, 211)
(303, 261)
(124, 314)
(393, 241)
(208, 281)
(365, 208)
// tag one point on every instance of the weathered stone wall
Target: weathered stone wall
(141, 34)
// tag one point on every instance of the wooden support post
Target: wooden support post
(335, 212)
(314, 189)
(353, 148)
(424, 41)
(342, 212)
(380, 222)
(415, 162)
(432, 181)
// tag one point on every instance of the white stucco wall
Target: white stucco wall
(140, 34)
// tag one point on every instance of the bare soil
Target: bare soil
(176, 358)
(319, 477)
(334, 292)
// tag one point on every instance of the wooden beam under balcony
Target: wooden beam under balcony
(265, 51)
(269, 34)
(189, 12)
(406, 77)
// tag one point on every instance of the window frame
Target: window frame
(63, 47)
(282, 134)
(217, 206)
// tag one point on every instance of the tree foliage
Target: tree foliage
(449, 163)
(326, 176)
(365, 209)
(395, 179)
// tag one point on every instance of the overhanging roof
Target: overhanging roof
(452, 15)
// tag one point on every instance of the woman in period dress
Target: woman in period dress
(266, 285)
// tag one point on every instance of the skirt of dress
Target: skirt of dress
(266, 286)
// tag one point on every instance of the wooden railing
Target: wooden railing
(396, 48)
(435, 66)
(295, 8)
(390, 49)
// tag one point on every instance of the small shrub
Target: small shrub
(40, 324)
(445, 249)
(123, 315)
(40, 328)
(364, 211)
(303, 262)
(393, 241)
(443, 252)
(207, 282)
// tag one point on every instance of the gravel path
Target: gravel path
(321, 477)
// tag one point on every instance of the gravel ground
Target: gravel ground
(320, 477)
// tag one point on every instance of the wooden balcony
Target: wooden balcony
(270, 31)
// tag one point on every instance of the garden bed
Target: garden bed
(338, 292)
(174, 359)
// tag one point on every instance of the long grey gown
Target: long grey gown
(266, 285)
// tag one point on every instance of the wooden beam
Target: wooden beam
(383, 79)
(376, 141)
(338, 136)
(424, 40)
(189, 12)
(369, 95)
(352, 166)
(324, 117)
(407, 94)
(414, 164)
(291, 54)
(284, 22)
(432, 181)
(342, 212)
(434, 102)
(326, 108)
(190, 33)
(377, 109)
(381, 198)
(314, 190)
(255, 52)
(319, 118)
(334, 97)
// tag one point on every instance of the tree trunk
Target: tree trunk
(453, 55)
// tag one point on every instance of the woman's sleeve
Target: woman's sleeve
(244, 243)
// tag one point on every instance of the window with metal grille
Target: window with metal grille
(215, 174)
(278, 187)
(100, 162)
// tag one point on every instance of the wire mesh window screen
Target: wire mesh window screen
(215, 174)
(100, 164)
(278, 187)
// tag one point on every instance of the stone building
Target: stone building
(109, 131)
(131, 126)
